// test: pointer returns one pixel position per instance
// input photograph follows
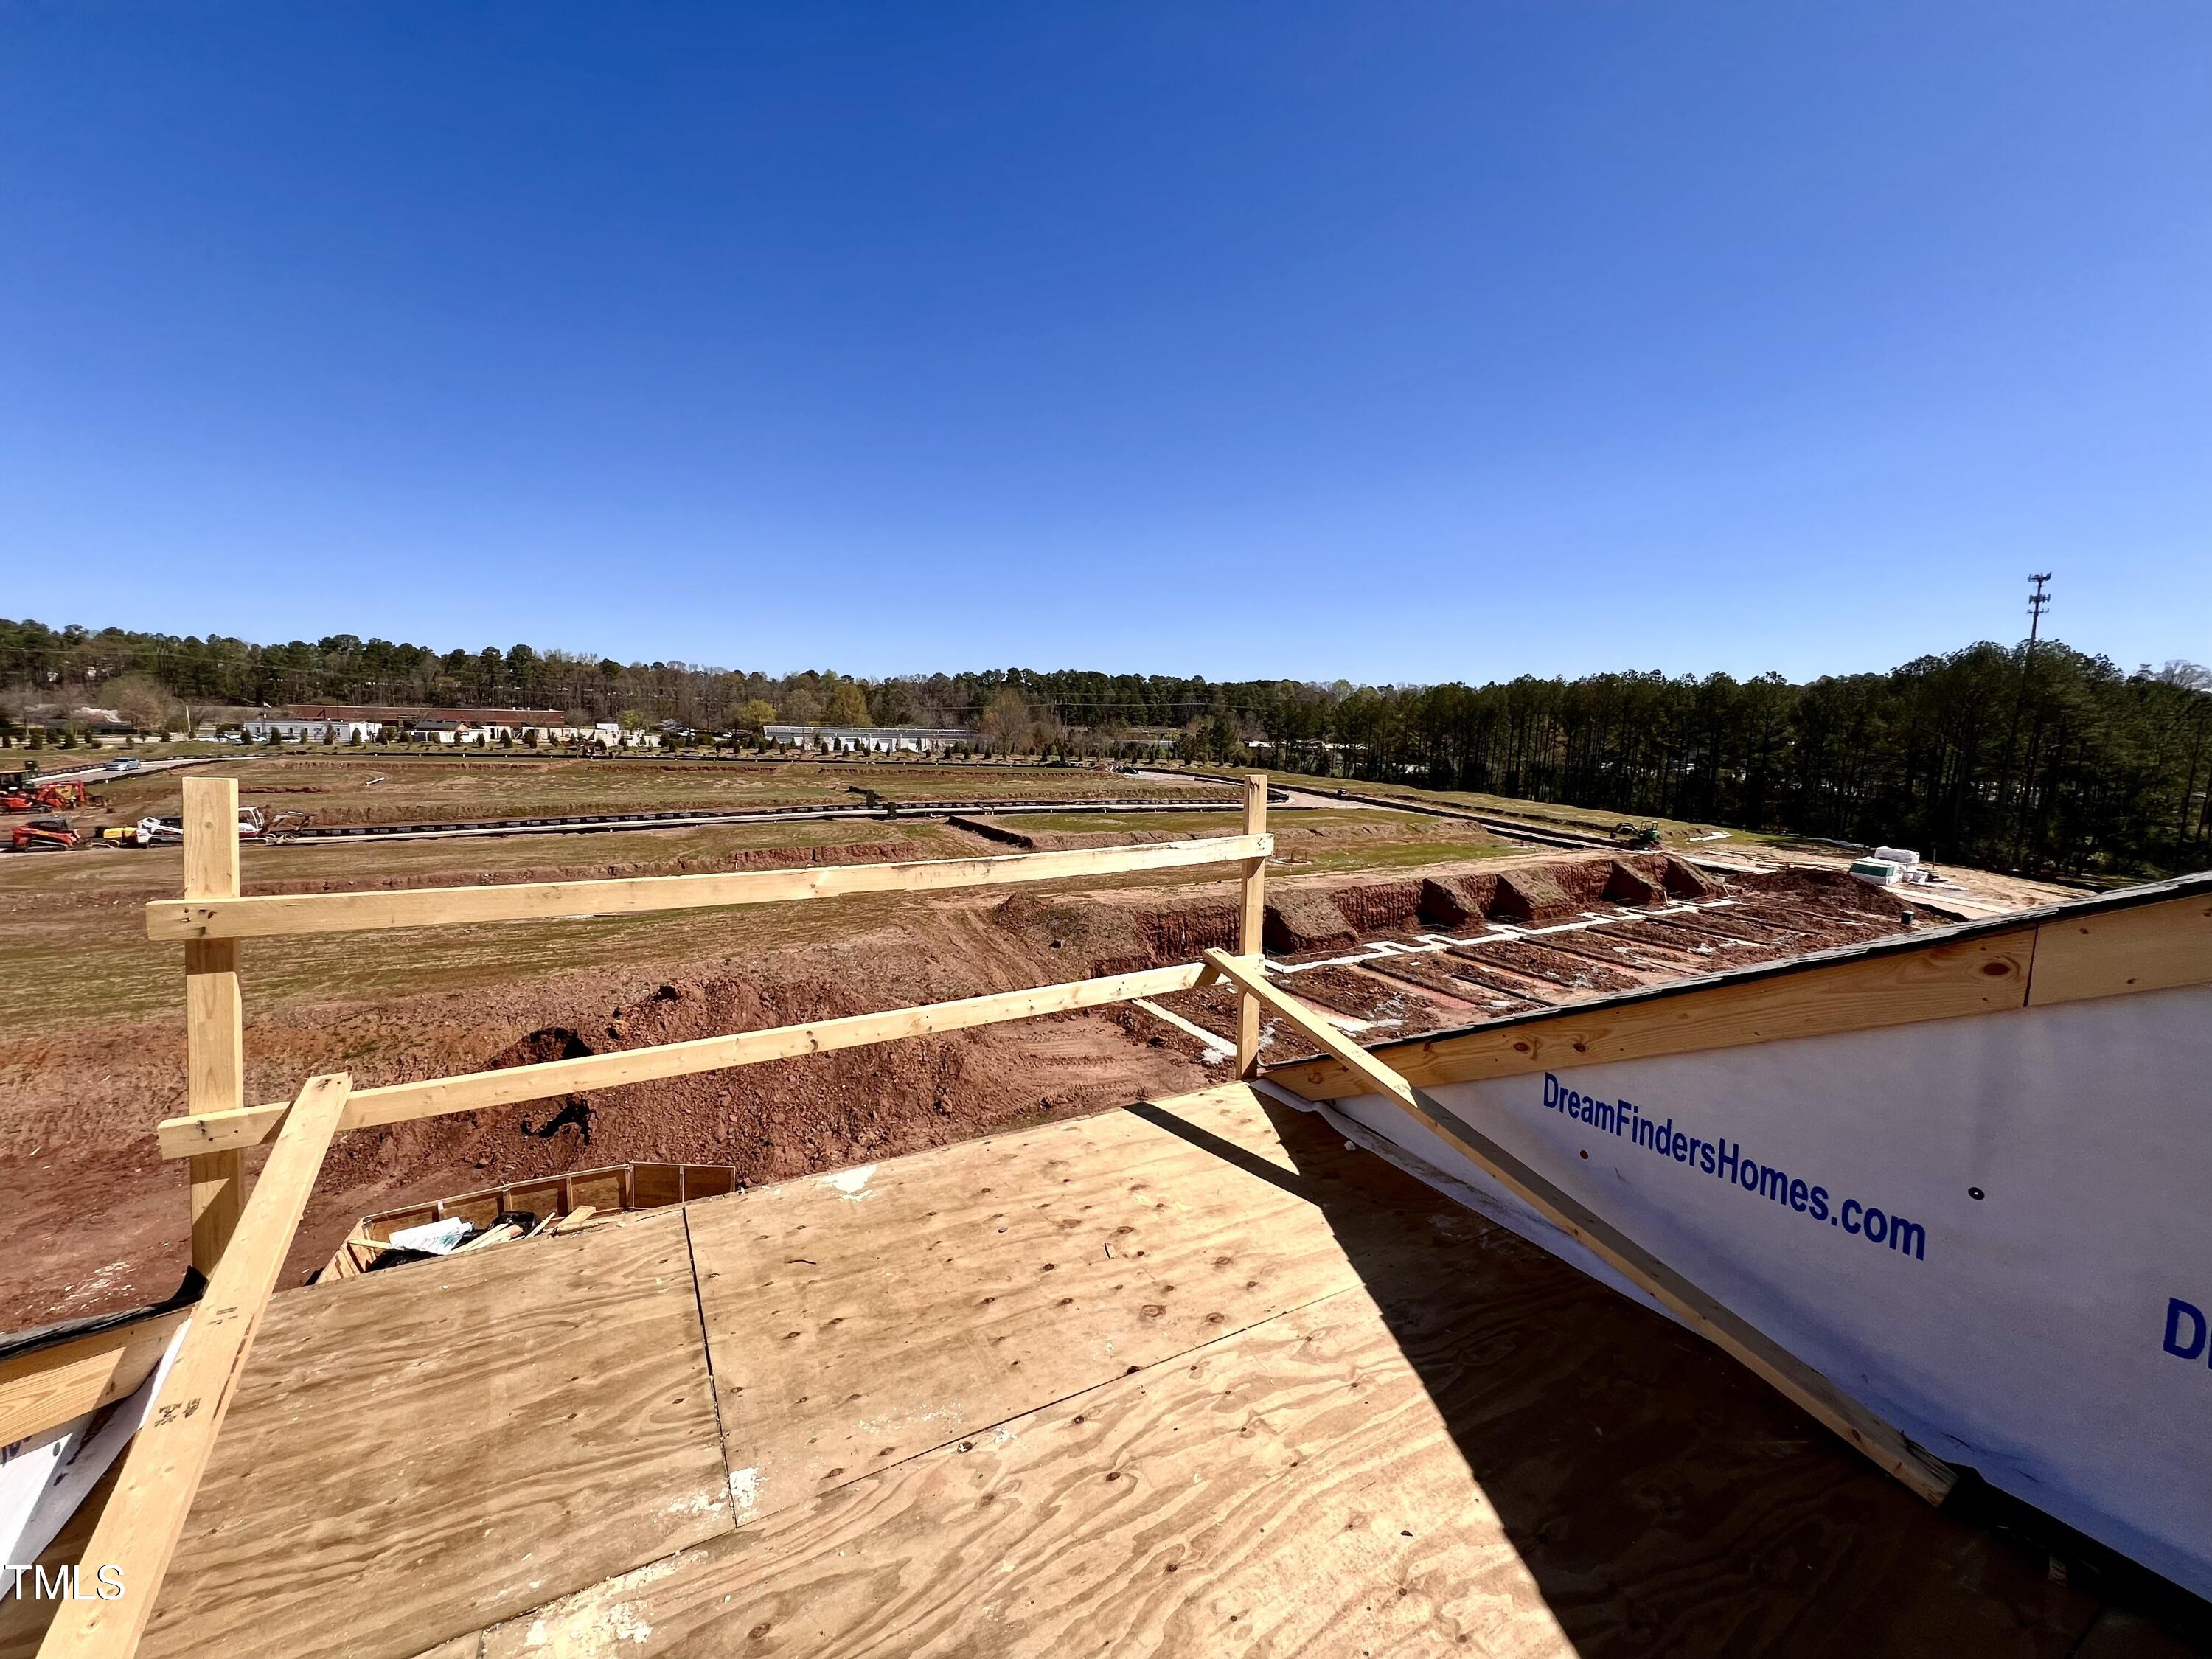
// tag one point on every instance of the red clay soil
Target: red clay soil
(96, 1221)
(1629, 885)
(1364, 996)
(1214, 1007)
(1532, 896)
(1301, 919)
(1454, 901)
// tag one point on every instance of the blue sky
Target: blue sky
(1389, 342)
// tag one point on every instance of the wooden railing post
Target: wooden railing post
(1252, 919)
(215, 1035)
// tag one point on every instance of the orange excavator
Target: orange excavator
(30, 796)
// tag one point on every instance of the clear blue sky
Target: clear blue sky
(1391, 341)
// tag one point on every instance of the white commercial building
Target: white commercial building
(869, 739)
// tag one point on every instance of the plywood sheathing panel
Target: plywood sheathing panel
(1268, 1493)
(1470, 1449)
(424, 1451)
(860, 1318)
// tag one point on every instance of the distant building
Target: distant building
(869, 739)
(378, 722)
(290, 729)
(491, 724)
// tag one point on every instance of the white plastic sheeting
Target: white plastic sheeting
(2040, 1333)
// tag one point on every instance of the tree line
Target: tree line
(2047, 759)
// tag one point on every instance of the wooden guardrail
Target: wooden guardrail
(240, 1242)
(138, 1531)
(212, 916)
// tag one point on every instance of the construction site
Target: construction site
(912, 1208)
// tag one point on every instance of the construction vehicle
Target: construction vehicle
(1634, 834)
(31, 796)
(253, 824)
(44, 835)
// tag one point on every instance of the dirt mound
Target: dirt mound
(553, 1042)
(1532, 896)
(1829, 890)
(1375, 906)
(1305, 918)
(771, 1122)
(1100, 939)
(1455, 901)
(1687, 881)
(1626, 885)
(1184, 932)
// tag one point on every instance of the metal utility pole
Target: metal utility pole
(2039, 601)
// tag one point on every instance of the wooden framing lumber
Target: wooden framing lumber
(2148, 947)
(211, 916)
(195, 1136)
(137, 1532)
(49, 1386)
(214, 1022)
(1880, 1440)
(1251, 922)
(1977, 974)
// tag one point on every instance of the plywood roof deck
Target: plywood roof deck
(1190, 1378)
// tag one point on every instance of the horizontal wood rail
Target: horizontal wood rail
(399, 1103)
(1879, 1439)
(194, 919)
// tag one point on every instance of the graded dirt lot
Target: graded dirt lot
(333, 787)
(92, 1054)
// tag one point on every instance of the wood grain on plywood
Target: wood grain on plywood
(1506, 1459)
(1982, 973)
(858, 1318)
(1273, 1490)
(419, 1452)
